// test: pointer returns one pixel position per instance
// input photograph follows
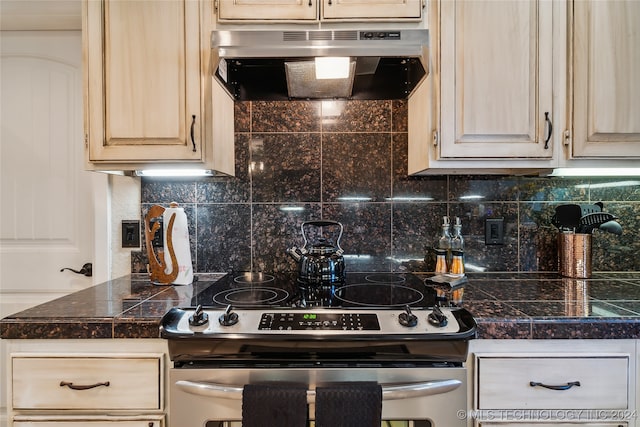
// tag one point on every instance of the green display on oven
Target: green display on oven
(310, 316)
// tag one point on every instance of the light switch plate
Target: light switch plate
(130, 233)
(494, 231)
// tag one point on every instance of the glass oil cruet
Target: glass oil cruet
(443, 247)
(457, 249)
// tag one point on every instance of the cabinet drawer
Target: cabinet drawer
(505, 382)
(123, 383)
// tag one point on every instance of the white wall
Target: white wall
(125, 205)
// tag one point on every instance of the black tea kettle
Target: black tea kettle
(320, 261)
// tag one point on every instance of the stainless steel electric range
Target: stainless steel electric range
(385, 327)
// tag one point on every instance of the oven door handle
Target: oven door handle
(389, 392)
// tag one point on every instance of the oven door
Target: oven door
(412, 397)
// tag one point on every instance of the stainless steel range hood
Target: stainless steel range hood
(280, 65)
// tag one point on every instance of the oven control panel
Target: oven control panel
(296, 321)
(308, 323)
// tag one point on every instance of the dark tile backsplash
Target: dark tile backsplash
(346, 161)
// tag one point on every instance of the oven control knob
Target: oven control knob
(199, 317)
(437, 318)
(228, 318)
(407, 318)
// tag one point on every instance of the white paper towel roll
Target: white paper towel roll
(181, 245)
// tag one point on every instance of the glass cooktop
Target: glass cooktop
(359, 290)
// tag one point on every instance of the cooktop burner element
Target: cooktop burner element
(385, 278)
(253, 296)
(253, 278)
(378, 295)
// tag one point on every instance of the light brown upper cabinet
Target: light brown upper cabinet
(260, 11)
(142, 81)
(605, 85)
(372, 9)
(267, 10)
(496, 80)
(488, 104)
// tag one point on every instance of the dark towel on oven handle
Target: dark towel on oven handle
(352, 404)
(274, 404)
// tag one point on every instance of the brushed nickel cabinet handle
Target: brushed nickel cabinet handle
(566, 386)
(549, 131)
(193, 124)
(73, 386)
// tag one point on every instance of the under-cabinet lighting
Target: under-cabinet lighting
(409, 199)
(472, 197)
(591, 172)
(403, 260)
(332, 67)
(292, 208)
(174, 172)
(356, 256)
(354, 199)
(610, 184)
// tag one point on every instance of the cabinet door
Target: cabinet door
(606, 87)
(268, 10)
(496, 79)
(142, 80)
(371, 9)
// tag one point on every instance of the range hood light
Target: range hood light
(174, 172)
(332, 67)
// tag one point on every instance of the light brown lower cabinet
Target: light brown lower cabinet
(554, 383)
(535, 382)
(86, 382)
(150, 422)
(92, 383)
(556, 424)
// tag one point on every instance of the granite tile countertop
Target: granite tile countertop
(505, 305)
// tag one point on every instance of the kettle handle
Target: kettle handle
(322, 223)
